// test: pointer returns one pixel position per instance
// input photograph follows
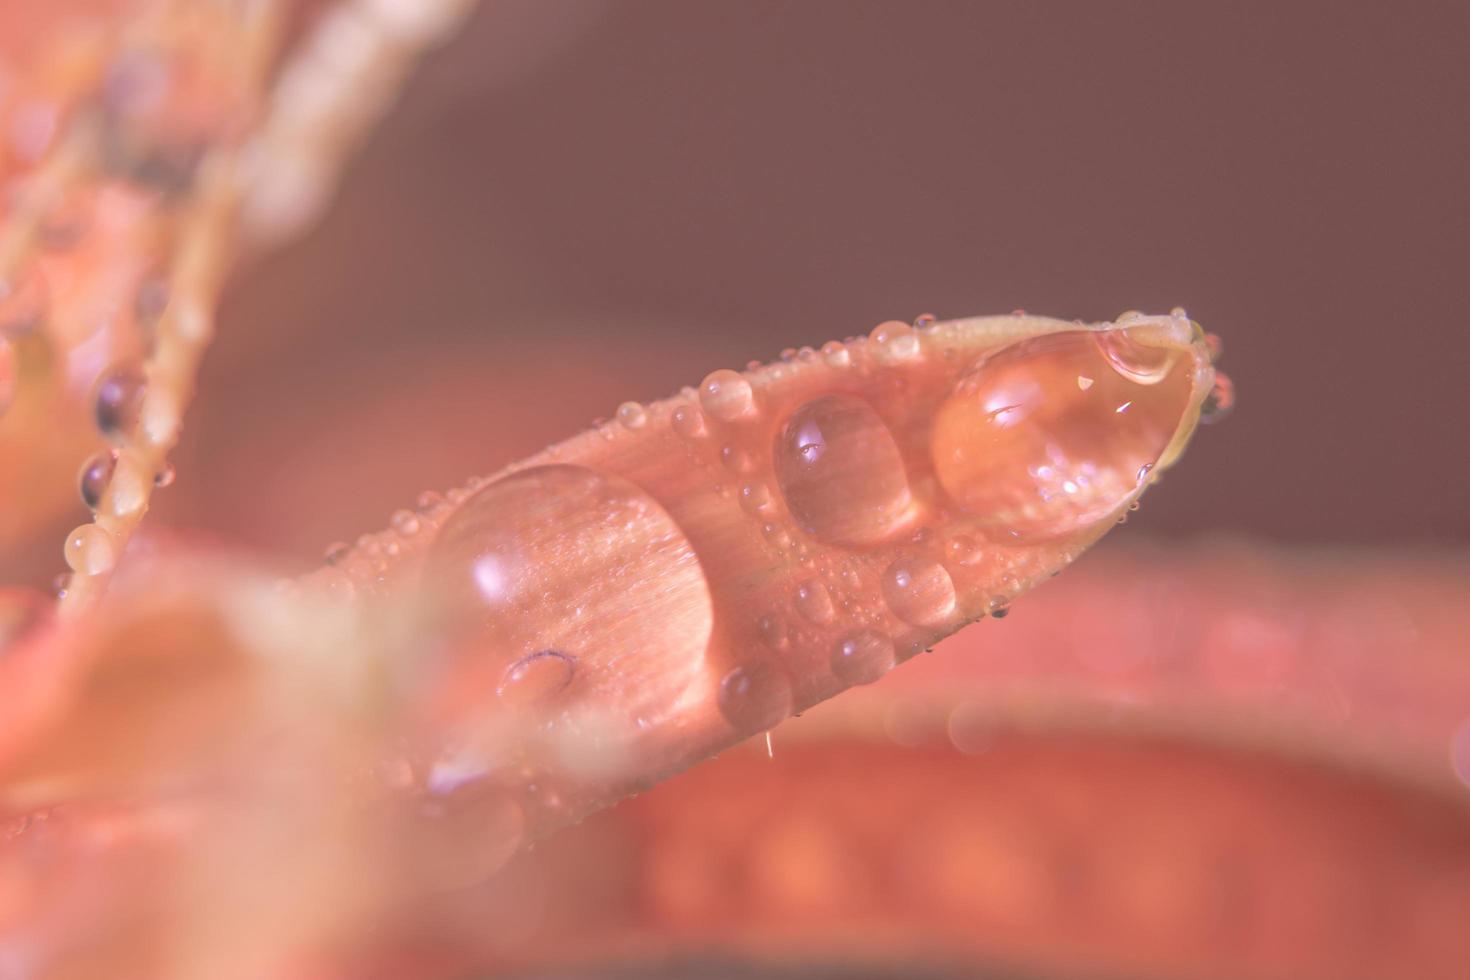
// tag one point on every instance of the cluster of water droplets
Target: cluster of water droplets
(892, 507)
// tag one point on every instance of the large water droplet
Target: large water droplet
(919, 591)
(93, 479)
(841, 474)
(119, 400)
(90, 550)
(584, 563)
(862, 657)
(727, 396)
(755, 696)
(1050, 434)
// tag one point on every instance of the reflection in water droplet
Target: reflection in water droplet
(895, 341)
(836, 354)
(1220, 402)
(841, 474)
(756, 498)
(919, 591)
(632, 415)
(405, 522)
(548, 558)
(429, 501)
(755, 696)
(536, 678)
(94, 477)
(119, 399)
(814, 602)
(1032, 454)
(736, 459)
(862, 657)
(727, 396)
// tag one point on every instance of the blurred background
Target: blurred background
(583, 202)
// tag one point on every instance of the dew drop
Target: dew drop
(429, 500)
(536, 678)
(688, 422)
(90, 550)
(405, 522)
(841, 474)
(756, 498)
(919, 591)
(1032, 454)
(814, 602)
(1220, 402)
(964, 550)
(567, 559)
(727, 396)
(336, 552)
(736, 459)
(755, 696)
(835, 354)
(895, 342)
(119, 402)
(166, 476)
(96, 473)
(924, 321)
(632, 415)
(774, 631)
(862, 657)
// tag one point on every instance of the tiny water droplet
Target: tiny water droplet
(755, 696)
(336, 552)
(814, 602)
(862, 657)
(1000, 608)
(429, 500)
(632, 415)
(756, 498)
(895, 341)
(1220, 402)
(405, 522)
(924, 321)
(963, 550)
(727, 396)
(688, 422)
(537, 677)
(60, 584)
(737, 459)
(919, 591)
(90, 550)
(118, 402)
(95, 474)
(774, 631)
(836, 354)
(166, 476)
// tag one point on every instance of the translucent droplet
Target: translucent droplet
(93, 479)
(964, 550)
(688, 422)
(537, 678)
(737, 459)
(755, 696)
(166, 476)
(90, 550)
(774, 631)
(336, 552)
(727, 396)
(405, 522)
(836, 354)
(814, 602)
(632, 415)
(862, 657)
(756, 498)
(841, 474)
(1031, 454)
(919, 591)
(895, 342)
(429, 501)
(584, 563)
(924, 321)
(1220, 402)
(9, 373)
(119, 402)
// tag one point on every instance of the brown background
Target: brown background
(584, 202)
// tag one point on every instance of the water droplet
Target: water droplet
(60, 584)
(94, 477)
(925, 321)
(1000, 608)
(632, 415)
(1031, 454)
(894, 342)
(336, 552)
(814, 602)
(756, 498)
(841, 474)
(688, 422)
(536, 678)
(774, 631)
(964, 550)
(777, 535)
(166, 476)
(9, 373)
(836, 354)
(862, 657)
(737, 459)
(755, 696)
(549, 558)
(119, 402)
(405, 522)
(90, 550)
(919, 591)
(1220, 402)
(429, 500)
(727, 396)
